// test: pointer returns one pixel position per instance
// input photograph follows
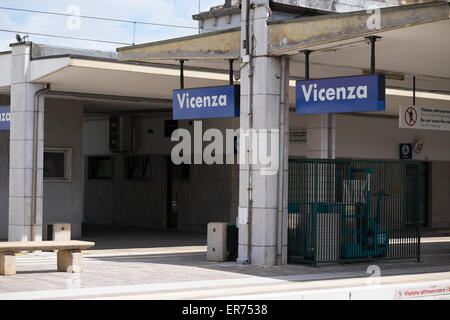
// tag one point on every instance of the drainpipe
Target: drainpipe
(248, 51)
(35, 159)
(282, 157)
(250, 127)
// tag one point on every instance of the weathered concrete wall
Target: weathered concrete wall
(64, 129)
(439, 194)
(130, 203)
(4, 176)
(205, 198)
(340, 5)
(209, 195)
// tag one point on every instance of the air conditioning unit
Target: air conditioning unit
(120, 133)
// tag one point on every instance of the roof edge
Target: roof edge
(196, 36)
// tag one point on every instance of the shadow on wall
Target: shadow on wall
(4, 176)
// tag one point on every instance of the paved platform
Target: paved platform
(182, 272)
(134, 263)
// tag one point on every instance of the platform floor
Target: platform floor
(176, 268)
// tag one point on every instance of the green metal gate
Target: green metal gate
(354, 210)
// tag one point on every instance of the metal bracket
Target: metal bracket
(307, 54)
(372, 40)
(182, 74)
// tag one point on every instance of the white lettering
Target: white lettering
(307, 94)
(361, 92)
(341, 93)
(214, 101)
(207, 101)
(331, 94)
(198, 102)
(187, 102)
(181, 99)
(223, 101)
(351, 93)
(321, 95)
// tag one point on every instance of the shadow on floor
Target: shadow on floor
(118, 237)
(435, 259)
(435, 255)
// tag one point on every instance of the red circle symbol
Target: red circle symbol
(410, 116)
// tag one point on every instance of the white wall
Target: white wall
(379, 138)
(298, 150)
(63, 129)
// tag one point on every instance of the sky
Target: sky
(174, 12)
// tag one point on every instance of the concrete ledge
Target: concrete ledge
(290, 36)
(15, 246)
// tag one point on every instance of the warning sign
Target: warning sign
(297, 136)
(428, 118)
(422, 292)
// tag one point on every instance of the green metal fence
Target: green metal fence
(354, 210)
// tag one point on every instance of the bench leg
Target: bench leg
(7, 264)
(70, 261)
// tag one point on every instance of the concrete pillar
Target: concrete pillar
(7, 263)
(21, 149)
(70, 261)
(321, 133)
(257, 220)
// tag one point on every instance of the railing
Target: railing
(354, 210)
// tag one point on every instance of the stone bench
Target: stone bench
(70, 258)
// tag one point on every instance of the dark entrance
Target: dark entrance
(175, 175)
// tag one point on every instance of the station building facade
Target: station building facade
(73, 169)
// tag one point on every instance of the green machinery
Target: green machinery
(362, 235)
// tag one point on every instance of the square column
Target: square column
(258, 218)
(21, 149)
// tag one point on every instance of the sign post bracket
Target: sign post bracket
(372, 40)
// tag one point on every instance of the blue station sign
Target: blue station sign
(5, 118)
(336, 95)
(211, 102)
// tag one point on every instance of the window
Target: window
(138, 168)
(100, 168)
(57, 165)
